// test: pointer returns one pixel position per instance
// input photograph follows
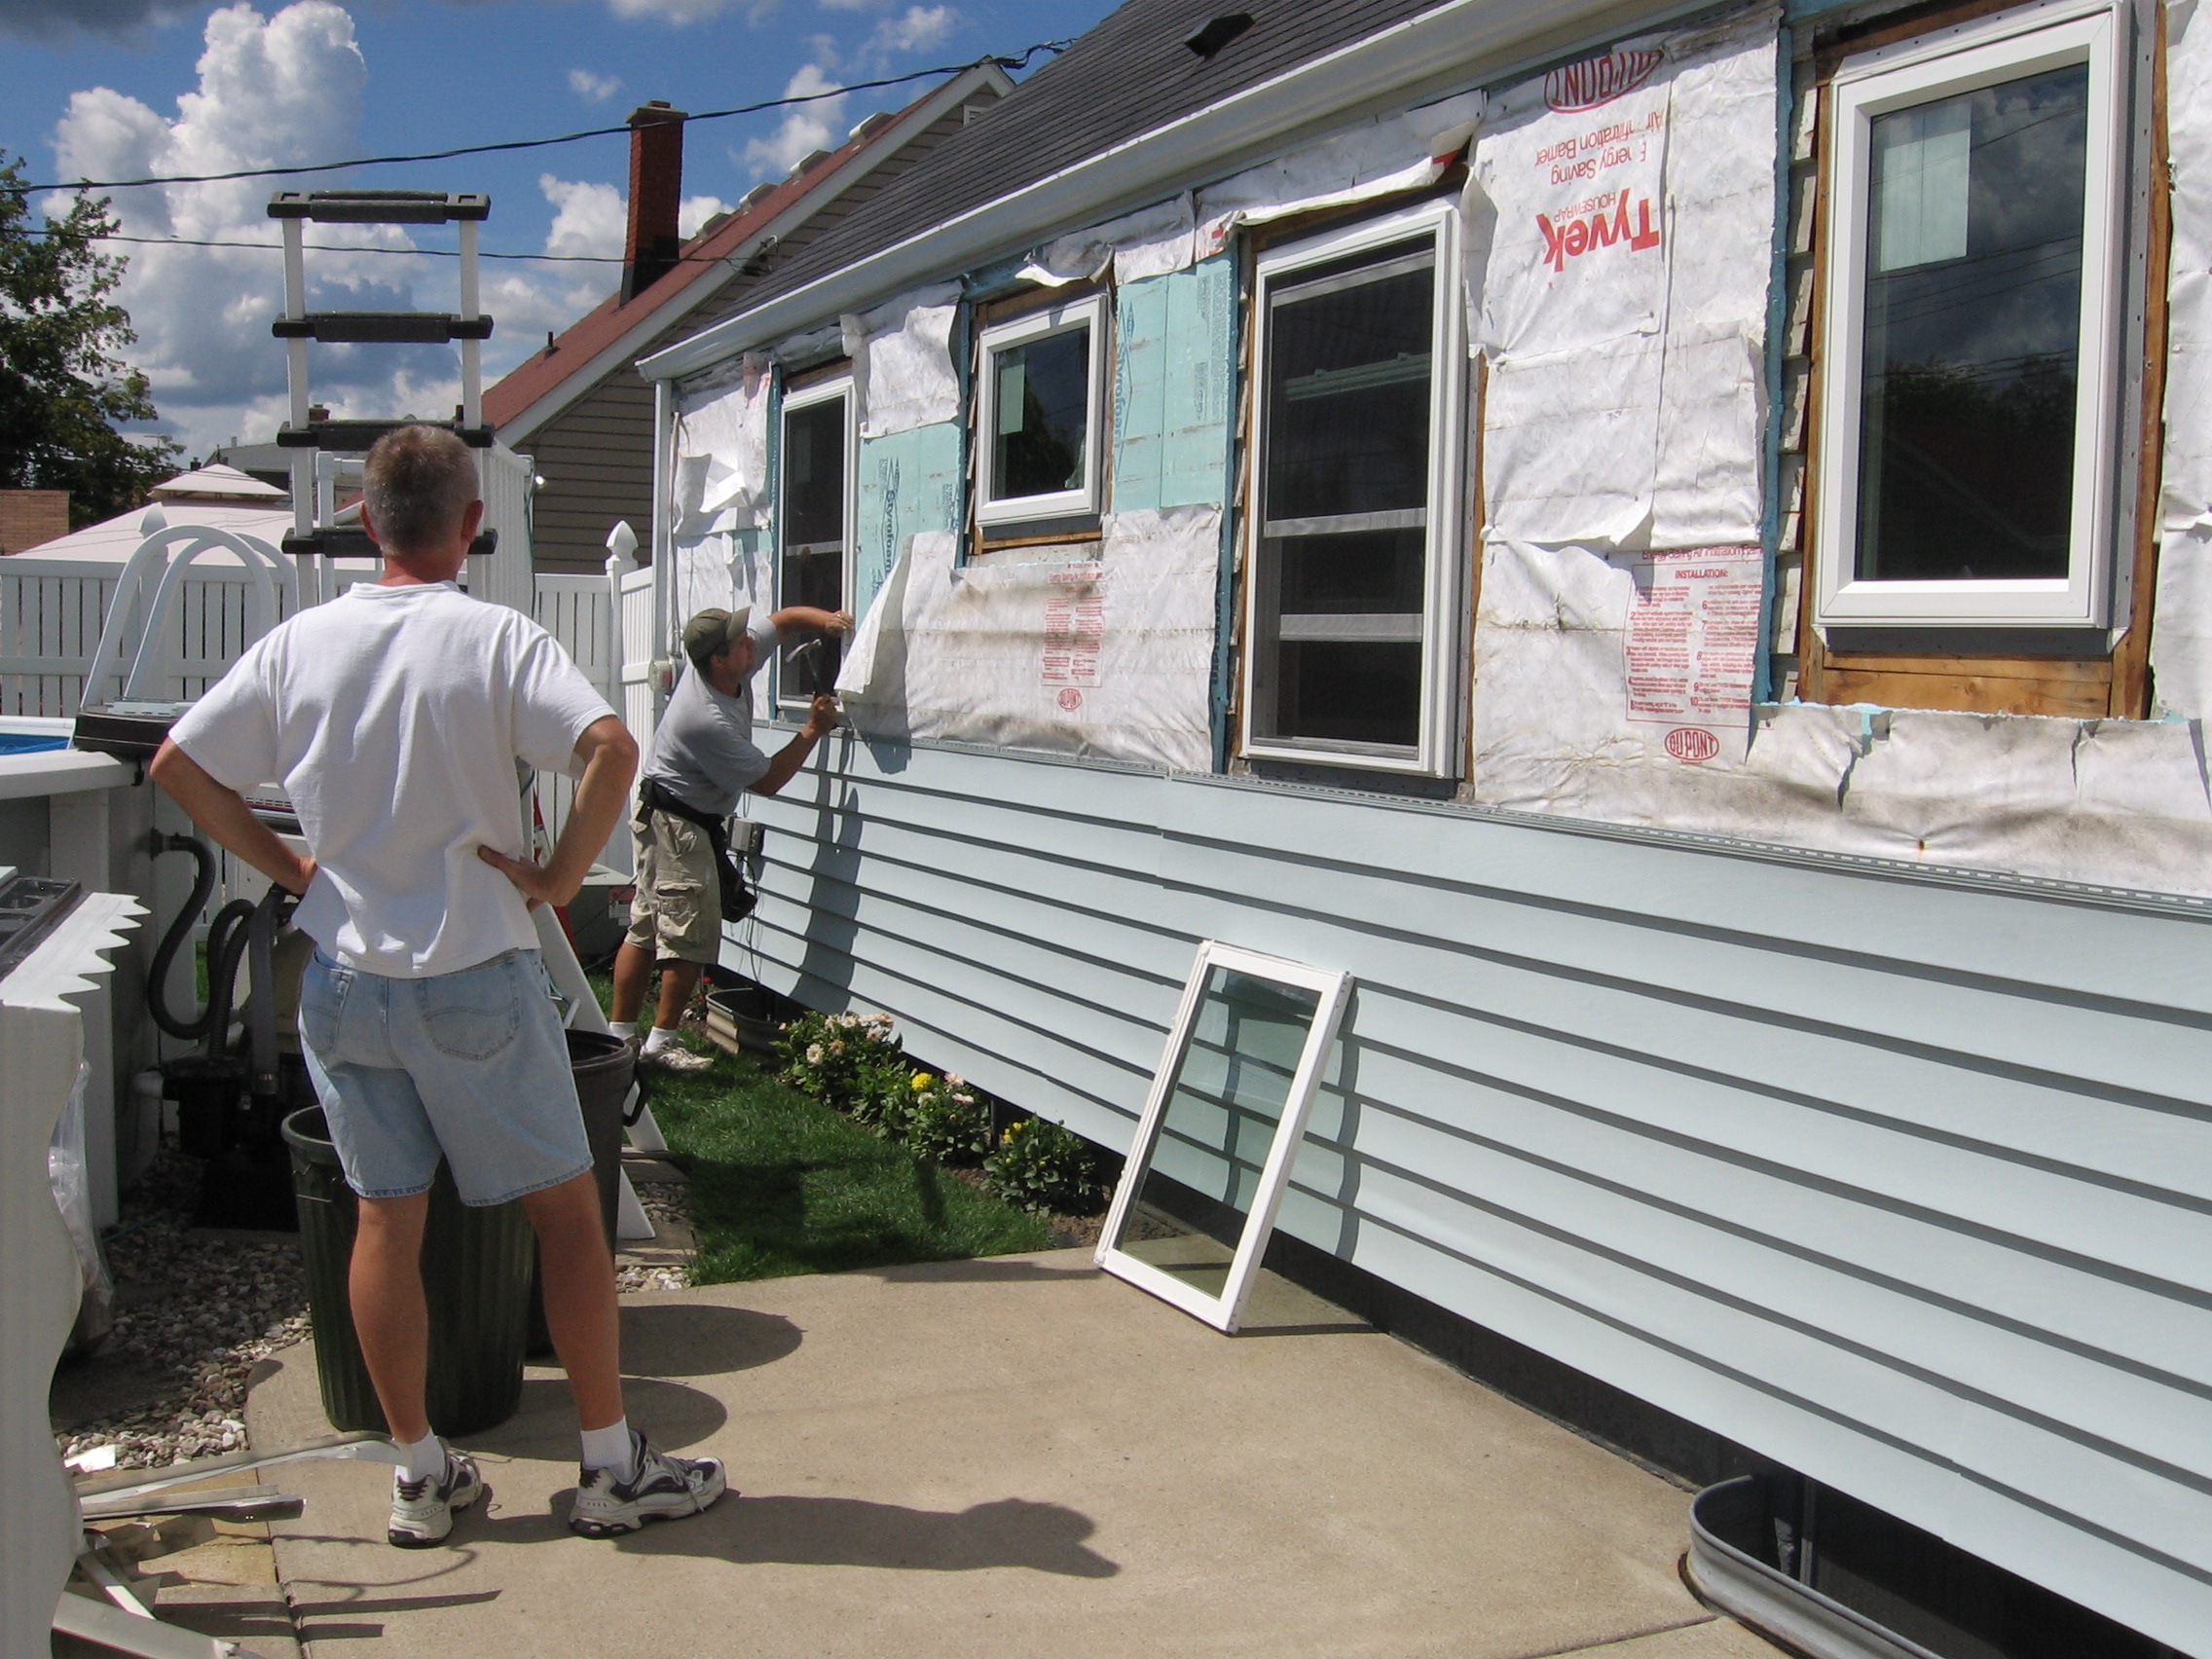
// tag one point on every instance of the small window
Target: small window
(1971, 416)
(1038, 414)
(1356, 488)
(814, 557)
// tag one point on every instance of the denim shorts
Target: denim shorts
(471, 1065)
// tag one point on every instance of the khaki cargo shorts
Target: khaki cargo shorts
(679, 908)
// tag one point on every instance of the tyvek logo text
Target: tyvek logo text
(1571, 236)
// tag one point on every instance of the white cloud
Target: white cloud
(588, 221)
(270, 90)
(697, 211)
(806, 127)
(917, 30)
(593, 89)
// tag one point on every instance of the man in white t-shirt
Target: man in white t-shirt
(395, 715)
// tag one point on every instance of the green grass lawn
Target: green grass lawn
(781, 1184)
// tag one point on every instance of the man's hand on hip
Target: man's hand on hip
(532, 880)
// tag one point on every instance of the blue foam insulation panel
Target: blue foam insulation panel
(1174, 387)
(909, 482)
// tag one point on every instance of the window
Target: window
(1352, 612)
(814, 561)
(1197, 1197)
(1038, 414)
(1970, 412)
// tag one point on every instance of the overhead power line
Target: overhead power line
(334, 247)
(1005, 63)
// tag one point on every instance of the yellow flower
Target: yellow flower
(922, 1080)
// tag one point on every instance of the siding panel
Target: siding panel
(1903, 1181)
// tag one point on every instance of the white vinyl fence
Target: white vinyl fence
(51, 612)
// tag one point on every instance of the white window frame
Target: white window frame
(1434, 754)
(1332, 989)
(1948, 62)
(1088, 498)
(797, 402)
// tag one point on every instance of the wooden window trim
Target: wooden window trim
(2115, 683)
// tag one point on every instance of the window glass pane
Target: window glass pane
(813, 540)
(1043, 415)
(1349, 691)
(1231, 1086)
(1361, 573)
(1973, 318)
(814, 474)
(1348, 392)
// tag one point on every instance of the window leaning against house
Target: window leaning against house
(1351, 619)
(814, 560)
(1972, 411)
(1039, 415)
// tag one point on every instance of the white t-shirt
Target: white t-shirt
(393, 718)
(703, 748)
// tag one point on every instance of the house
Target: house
(1670, 544)
(578, 407)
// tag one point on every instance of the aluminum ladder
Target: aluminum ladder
(308, 436)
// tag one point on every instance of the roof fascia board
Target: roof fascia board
(1457, 43)
(881, 146)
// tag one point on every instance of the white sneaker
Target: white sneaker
(664, 1489)
(423, 1511)
(674, 1057)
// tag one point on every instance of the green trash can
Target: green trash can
(476, 1275)
(604, 1067)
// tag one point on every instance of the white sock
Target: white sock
(658, 1038)
(623, 1028)
(612, 1448)
(425, 1459)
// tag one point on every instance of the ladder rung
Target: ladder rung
(357, 438)
(379, 207)
(350, 541)
(381, 328)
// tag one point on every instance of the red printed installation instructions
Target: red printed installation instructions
(1692, 646)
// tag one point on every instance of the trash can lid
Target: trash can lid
(307, 1133)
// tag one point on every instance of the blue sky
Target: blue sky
(135, 88)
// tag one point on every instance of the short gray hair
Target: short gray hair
(416, 485)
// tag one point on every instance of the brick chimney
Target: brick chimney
(656, 196)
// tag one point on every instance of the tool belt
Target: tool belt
(737, 895)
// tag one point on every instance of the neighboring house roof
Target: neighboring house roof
(613, 332)
(217, 483)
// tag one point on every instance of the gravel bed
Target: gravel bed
(197, 1311)
(669, 1204)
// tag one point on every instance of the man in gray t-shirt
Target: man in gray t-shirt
(703, 759)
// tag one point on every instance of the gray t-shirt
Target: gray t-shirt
(703, 751)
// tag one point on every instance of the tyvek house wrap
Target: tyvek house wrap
(1109, 658)
(2110, 802)
(2181, 628)
(720, 492)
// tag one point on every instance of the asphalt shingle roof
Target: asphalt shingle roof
(1129, 74)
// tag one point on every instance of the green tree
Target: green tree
(63, 383)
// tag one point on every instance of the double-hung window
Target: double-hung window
(1040, 415)
(1970, 404)
(814, 560)
(1354, 576)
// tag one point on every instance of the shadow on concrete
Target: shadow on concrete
(852, 1532)
(671, 1415)
(981, 1270)
(695, 1339)
(336, 1620)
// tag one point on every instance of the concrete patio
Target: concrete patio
(1017, 1456)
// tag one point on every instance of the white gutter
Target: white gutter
(1462, 40)
(881, 146)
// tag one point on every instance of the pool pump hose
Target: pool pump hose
(227, 939)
